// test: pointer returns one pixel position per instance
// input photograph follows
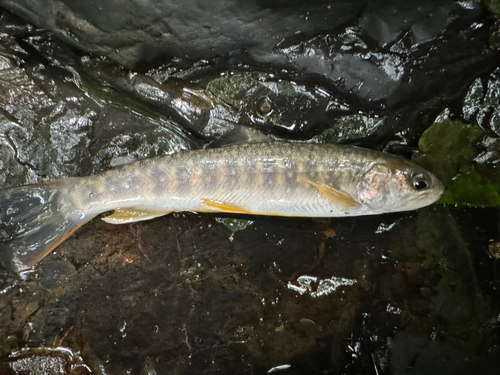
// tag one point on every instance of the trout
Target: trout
(280, 179)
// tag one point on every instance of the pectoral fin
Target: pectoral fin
(340, 198)
(224, 207)
(131, 215)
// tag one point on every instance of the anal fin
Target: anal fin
(131, 215)
(340, 198)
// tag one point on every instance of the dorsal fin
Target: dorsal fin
(120, 161)
(239, 135)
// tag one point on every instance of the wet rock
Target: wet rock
(371, 57)
(482, 102)
(282, 107)
(48, 118)
(132, 31)
(386, 23)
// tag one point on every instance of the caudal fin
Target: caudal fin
(34, 220)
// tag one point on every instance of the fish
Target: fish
(270, 178)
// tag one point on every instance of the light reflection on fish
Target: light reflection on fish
(280, 179)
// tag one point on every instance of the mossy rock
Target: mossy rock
(493, 6)
(449, 149)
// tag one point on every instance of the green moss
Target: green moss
(448, 149)
(471, 188)
(493, 6)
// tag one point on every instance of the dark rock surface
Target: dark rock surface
(141, 31)
(370, 48)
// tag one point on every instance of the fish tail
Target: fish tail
(34, 220)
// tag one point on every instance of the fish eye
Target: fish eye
(420, 184)
(420, 181)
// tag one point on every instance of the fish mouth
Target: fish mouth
(437, 187)
(430, 196)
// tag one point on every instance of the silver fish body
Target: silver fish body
(279, 179)
(267, 179)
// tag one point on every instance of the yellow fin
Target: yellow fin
(343, 200)
(131, 215)
(225, 207)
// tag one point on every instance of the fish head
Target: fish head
(396, 184)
